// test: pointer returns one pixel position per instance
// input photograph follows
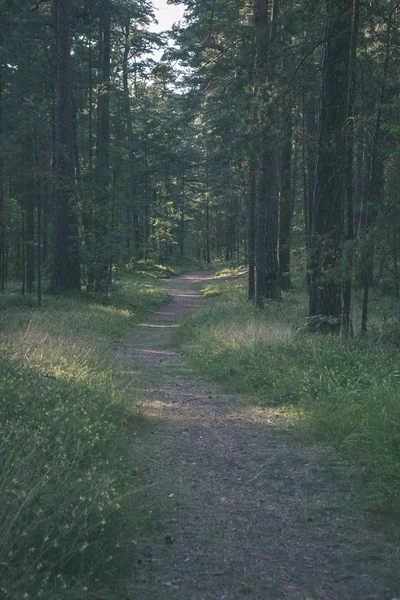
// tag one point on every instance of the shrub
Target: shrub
(321, 324)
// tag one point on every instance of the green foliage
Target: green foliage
(321, 324)
(150, 269)
(172, 268)
(345, 394)
(68, 518)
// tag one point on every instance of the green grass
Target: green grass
(68, 515)
(170, 268)
(344, 394)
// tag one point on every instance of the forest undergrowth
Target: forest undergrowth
(68, 517)
(345, 394)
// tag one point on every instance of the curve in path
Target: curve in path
(248, 511)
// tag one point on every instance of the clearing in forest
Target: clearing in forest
(246, 510)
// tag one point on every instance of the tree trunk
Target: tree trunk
(285, 206)
(375, 190)
(39, 225)
(207, 218)
(23, 245)
(103, 178)
(146, 199)
(2, 208)
(395, 254)
(30, 234)
(251, 224)
(310, 138)
(346, 329)
(66, 262)
(330, 188)
(261, 38)
(267, 266)
(132, 200)
(182, 215)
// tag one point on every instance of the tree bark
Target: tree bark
(375, 189)
(346, 328)
(103, 176)
(66, 262)
(330, 188)
(251, 224)
(30, 232)
(2, 208)
(133, 200)
(285, 205)
(267, 265)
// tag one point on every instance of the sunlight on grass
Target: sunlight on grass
(67, 514)
(343, 393)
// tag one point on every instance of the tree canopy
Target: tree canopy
(267, 133)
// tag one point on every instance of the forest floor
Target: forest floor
(245, 509)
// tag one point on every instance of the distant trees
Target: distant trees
(275, 143)
(317, 151)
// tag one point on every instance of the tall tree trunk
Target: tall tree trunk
(251, 224)
(30, 232)
(267, 266)
(345, 325)
(270, 172)
(146, 198)
(66, 262)
(269, 187)
(207, 216)
(285, 206)
(261, 38)
(375, 189)
(395, 253)
(23, 256)
(39, 224)
(182, 214)
(207, 253)
(103, 176)
(310, 139)
(2, 207)
(133, 201)
(330, 188)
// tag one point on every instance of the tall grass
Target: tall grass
(344, 393)
(68, 516)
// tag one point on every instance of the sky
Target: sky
(166, 15)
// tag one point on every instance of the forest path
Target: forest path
(246, 510)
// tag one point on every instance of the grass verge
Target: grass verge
(345, 394)
(68, 516)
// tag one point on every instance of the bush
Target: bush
(321, 324)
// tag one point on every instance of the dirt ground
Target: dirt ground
(246, 510)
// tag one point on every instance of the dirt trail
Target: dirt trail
(248, 511)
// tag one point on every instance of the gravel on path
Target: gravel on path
(247, 510)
